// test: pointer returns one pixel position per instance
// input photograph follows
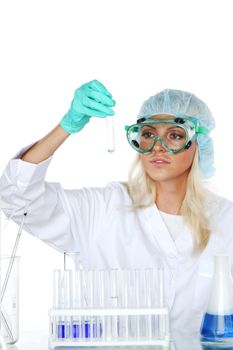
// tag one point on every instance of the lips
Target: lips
(159, 161)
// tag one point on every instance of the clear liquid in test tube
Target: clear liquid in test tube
(110, 134)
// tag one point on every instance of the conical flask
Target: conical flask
(217, 323)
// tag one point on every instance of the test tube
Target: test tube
(68, 299)
(77, 303)
(61, 298)
(110, 134)
(97, 301)
(57, 327)
(124, 320)
(162, 320)
(137, 289)
(149, 286)
(114, 295)
(68, 288)
(91, 322)
(101, 302)
(142, 301)
(107, 304)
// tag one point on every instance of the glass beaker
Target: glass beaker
(9, 299)
(217, 323)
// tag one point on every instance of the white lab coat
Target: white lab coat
(100, 224)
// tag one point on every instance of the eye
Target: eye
(147, 134)
(176, 136)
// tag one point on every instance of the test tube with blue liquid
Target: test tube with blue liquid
(217, 323)
(56, 300)
(90, 322)
(81, 324)
(77, 303)
(64, 324)
(99, 300)
(58, 326)
(74, 296)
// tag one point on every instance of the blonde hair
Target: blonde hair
(142, 190)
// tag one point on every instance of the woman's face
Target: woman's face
(162, 166)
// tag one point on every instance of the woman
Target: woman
(162, 212)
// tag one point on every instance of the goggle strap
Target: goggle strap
(201, 130)
(140, 120)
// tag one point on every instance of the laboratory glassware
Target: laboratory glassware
(10, 300)
(217, 323)
(9, 290)
(110, 134)
(108, 308)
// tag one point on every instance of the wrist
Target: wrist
(72, 126)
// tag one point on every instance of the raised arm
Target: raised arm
(90, 100)
(45, 147)
(53, 211)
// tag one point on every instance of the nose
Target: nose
(158, 147)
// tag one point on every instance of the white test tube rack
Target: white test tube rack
(108, 308)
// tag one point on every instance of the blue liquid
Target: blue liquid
(84, 330)
(87, 330)
(79, 330)
(217, 327)
(63, 330)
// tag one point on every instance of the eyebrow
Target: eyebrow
(170, 128)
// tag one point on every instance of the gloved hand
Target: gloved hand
(90, 100)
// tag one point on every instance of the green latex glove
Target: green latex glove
(90, 100)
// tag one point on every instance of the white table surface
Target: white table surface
(39, 341)
(31, 341)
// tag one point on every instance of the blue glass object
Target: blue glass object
(63, 330)
(217, 324)
(84, 330)
(76, 330)
(217, 327)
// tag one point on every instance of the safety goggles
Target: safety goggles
(175, 135)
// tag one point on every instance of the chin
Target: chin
(161, 177)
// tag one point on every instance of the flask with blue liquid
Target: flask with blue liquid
(217, 323)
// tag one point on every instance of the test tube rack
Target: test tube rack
(108, 308)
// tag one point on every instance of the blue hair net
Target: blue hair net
(184, 103)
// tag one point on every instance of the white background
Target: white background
(135, 48)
